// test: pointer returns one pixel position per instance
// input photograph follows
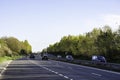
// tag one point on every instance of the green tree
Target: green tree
(97, 42)
(27, 47)
(12, 46)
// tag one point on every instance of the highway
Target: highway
(27, 69)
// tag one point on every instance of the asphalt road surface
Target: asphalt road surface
(26, 69)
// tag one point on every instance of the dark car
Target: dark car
(45, 58)
(32, 56)
(59, 56)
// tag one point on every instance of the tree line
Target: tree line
(100, 41)
(11, 46)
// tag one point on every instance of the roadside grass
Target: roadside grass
(6, 58)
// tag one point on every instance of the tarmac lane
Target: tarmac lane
(37, 69)
(25, 70)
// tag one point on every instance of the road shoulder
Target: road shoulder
(4, 65)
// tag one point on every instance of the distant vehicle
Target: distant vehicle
(69, 58)
(32, 56)
(99, 59)
(45, 58)
(59, 56)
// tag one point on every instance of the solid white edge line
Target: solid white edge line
(96, 74)
(5, 68)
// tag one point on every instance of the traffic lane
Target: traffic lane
(44, 63)
(93, 72)
(99, 73)
(59, 68)
(77, 72)
(25, 70)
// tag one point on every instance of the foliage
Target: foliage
(5, 58)
(97, 42)
(10, 46)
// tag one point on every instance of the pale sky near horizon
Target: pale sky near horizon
(44, 22)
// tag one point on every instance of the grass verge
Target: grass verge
(6, 58)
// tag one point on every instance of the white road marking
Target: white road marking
(52, 71)
(2, 72)
(60, 74)
(56, 72)
(4, 68)
(91, 68)
(66, 77)
(96, 74)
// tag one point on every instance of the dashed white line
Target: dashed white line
(60, 74)
(56, 72)
(66, 77)
(53, 71)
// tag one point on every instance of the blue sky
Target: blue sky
(44, 22)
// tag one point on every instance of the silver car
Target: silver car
(69, 58)
(99, 59)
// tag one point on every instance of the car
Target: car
(32, 56)
(69, 58)
(98, 59)
(59, 56)
(45, 58)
